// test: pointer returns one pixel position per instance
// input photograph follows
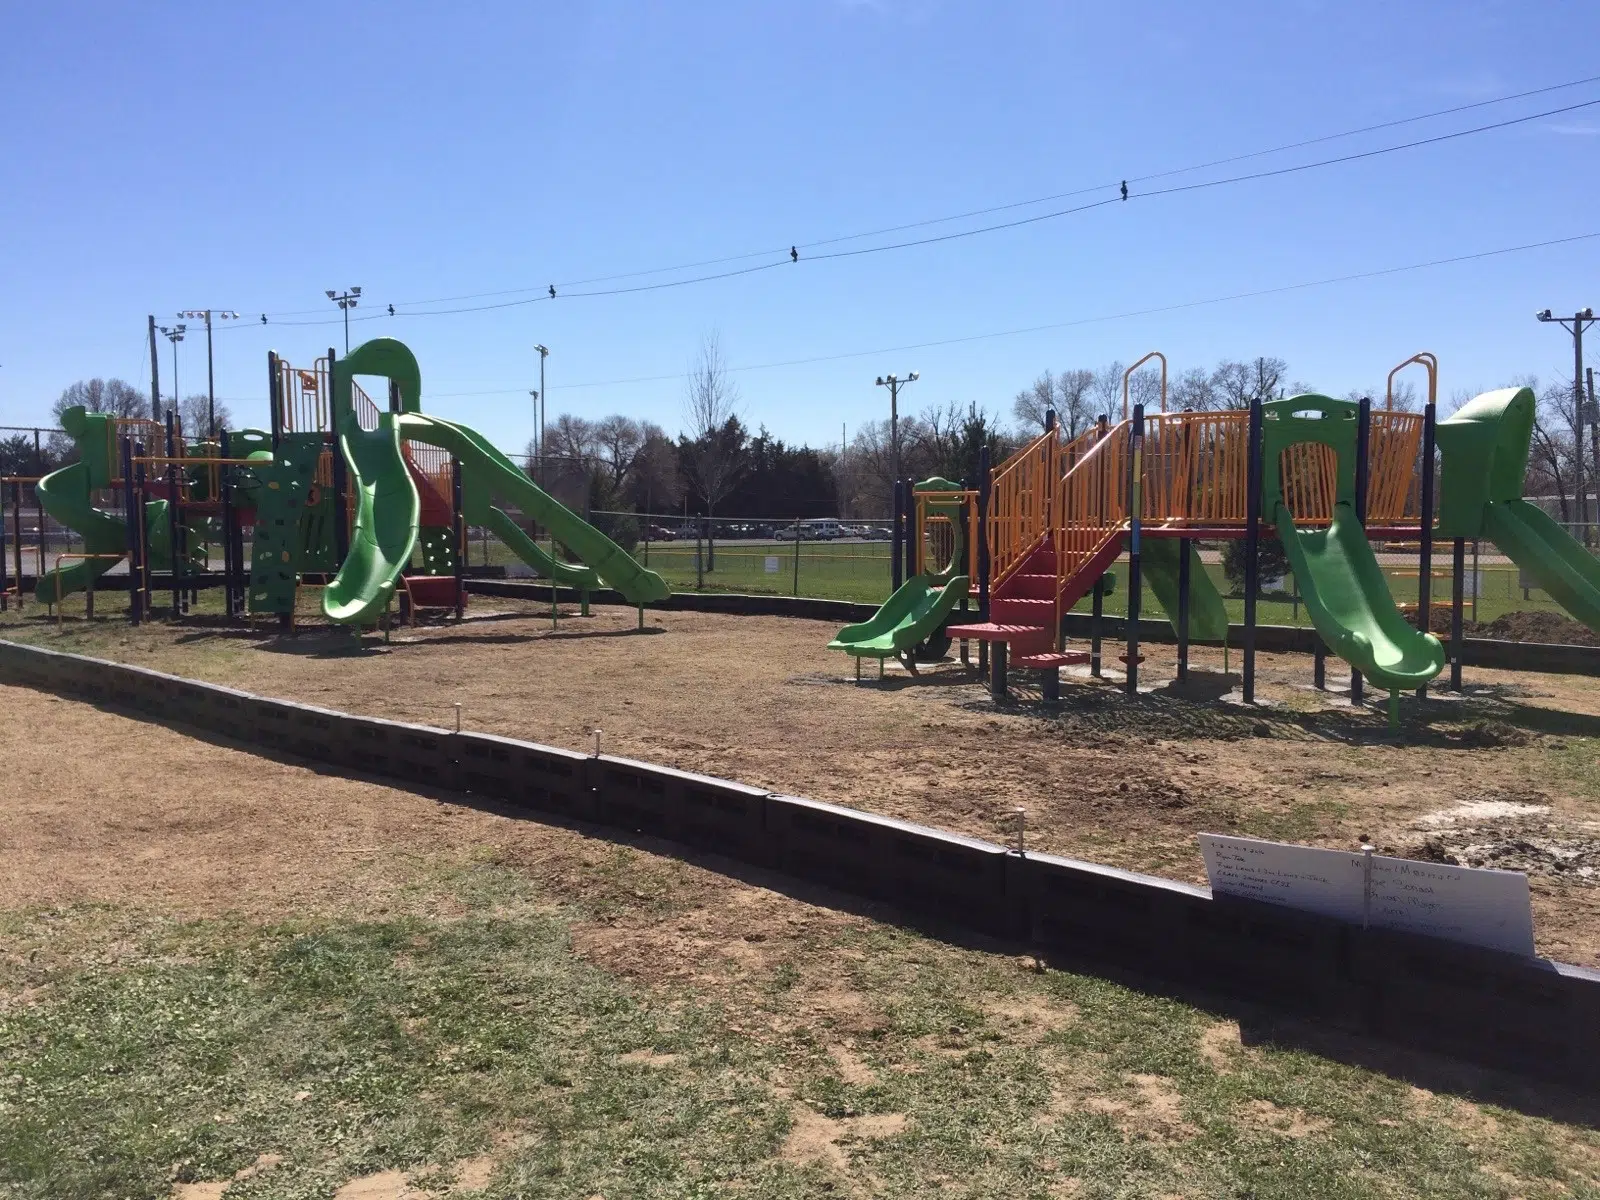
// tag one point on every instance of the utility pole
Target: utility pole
(211, 378)
(155, 373)
(537, 448)
(894, 383)
(1594, 432)
(1575, 325)
(174, 335)
(346, 300)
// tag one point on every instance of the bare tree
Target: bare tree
(1033, 405)
(1194, 390)
(194, 415)
(1074, 408)
(619, 440)
(714, 447)
(1239, 383)
(112, 396)
(1105, 392)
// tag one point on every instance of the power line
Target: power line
(1254, 154)
(1077, 321)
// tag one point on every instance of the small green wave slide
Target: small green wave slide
(908, 618)
(387, 507)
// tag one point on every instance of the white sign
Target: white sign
(772, 564)
(1464, 904)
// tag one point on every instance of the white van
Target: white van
(821, 531)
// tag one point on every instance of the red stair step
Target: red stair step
(1028, 586)
(995, 631)
(1009, 611)
(1053, 658)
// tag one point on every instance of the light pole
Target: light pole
(1575, 325)
(894, 383)
(211, 378)
(539, 399)
(346, 300)
(537, 448)
(175, 335)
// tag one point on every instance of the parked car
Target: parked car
(787, 533)
(660, 533)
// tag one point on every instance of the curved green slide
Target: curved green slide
(1484, 447)
(387, 507)
(918, 608)
(67, 496)
(1344, 590)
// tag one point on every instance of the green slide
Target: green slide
(1344, 590)
(487, 475)
(67, 496)
(919, 606)
(907, 619)
(387, 507)
(1484, 447)
(1159, 561)
(1557, 561)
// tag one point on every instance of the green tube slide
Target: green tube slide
(1160, 561)
(387, 507)
(64, 495)
(1342, 586)
(385, 533)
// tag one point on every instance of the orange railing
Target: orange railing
(1092, 500)
(303, 400)
(1194, 466)
(1019, 504)
(1394, 481)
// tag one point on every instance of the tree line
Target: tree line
(718, 466)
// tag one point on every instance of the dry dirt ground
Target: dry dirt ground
(1506, 776)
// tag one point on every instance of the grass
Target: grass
(156, 1052)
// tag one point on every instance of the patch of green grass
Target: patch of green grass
(158, 1052)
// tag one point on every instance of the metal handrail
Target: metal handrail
(1128, 374)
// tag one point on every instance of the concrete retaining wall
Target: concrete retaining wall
(1530, 1016)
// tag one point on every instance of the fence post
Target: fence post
(5, 584)
(1425, 565)
(1363, 442)
(1135, 579)
(896, 534)
(1252, 548)
(699, 555)
(796, 590)
(1458, 562)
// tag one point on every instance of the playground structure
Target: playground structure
(372, 504)
(1326, 477)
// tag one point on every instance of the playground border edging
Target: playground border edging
(1529, 1016)
(1545, 657)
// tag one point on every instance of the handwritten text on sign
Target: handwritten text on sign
(1464, 904)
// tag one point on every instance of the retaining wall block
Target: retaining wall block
(927, 871)
(1272, 954)
(319, 733)
(31, 664)
(414, 753)
(1108, 915)
(681, 806)
(539, 777)
(224, 711)
(1522, 1014)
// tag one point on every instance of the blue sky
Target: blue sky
(249, 156)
